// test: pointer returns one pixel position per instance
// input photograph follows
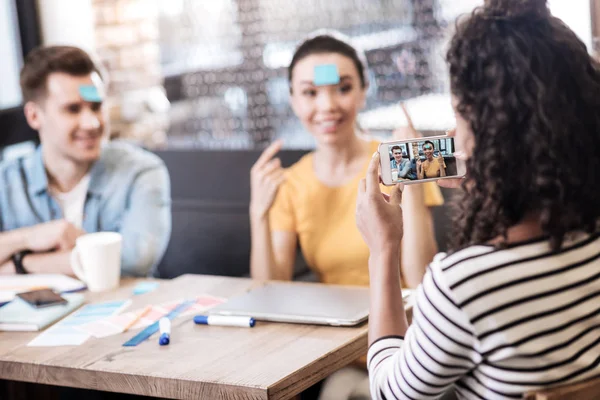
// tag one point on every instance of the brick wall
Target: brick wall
(126, 33)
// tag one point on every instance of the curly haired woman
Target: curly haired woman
(515, 306)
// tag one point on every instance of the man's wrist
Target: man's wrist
(18, 240)
(17, 260)
(25, 238)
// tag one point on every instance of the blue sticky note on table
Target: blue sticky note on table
(326, 74)
(144, 287)
(90, 93)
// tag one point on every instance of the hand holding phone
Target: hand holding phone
(42, 298)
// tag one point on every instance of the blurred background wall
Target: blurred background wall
(212, 74)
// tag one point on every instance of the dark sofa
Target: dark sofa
(211, 226)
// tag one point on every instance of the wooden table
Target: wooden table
(269, 361)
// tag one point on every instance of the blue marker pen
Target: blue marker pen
(165, 331)
(225, 320)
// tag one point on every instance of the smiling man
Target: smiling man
(76, 181)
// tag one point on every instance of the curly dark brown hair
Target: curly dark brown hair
(531, 94)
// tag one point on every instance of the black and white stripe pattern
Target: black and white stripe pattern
(497, 323)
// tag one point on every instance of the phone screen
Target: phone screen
(42, 298)
(420, 159)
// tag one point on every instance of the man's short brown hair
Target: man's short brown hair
(43, 61)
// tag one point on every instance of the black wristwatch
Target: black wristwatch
(17, 259)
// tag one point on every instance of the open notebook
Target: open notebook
(18, 315)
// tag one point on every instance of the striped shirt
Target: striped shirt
(496, 323)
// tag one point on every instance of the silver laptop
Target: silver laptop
(304, 303)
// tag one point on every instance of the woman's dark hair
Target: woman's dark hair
(428, 142)
(328, 44)
(531, 94)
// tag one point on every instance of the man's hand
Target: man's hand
(379, 216)
(54, 235)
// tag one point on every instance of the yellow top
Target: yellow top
(323, 217)
(432, 168)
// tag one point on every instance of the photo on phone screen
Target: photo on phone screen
(42, 298)
(422, 159)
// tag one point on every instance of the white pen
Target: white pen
(225, 320)
(165, 331)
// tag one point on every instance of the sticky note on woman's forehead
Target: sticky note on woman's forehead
(326, 74)
(90, 93)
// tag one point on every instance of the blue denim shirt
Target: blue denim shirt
(403, 169)
(129, 192)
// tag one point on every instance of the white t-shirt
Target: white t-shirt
(71, 203)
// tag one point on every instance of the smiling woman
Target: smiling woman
(313, 202)
(328, 111)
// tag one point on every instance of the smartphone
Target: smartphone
(420, 160)
(42, 298)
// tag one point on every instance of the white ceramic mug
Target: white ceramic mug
(96, 260)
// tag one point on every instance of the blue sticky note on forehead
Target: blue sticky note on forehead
(326, 74)
(90, 93)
